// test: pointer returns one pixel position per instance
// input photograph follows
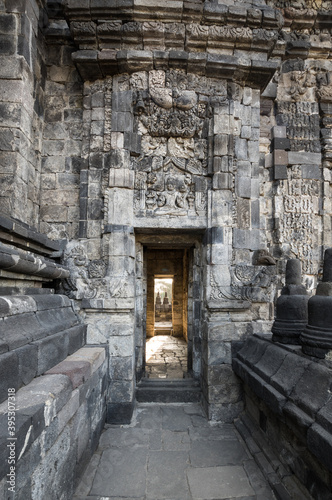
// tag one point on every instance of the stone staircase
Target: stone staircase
(186, 390)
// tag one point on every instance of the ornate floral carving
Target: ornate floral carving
(252, 283)
(173, 114)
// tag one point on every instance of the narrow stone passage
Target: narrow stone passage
(172, 452)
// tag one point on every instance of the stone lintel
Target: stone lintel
(94, 64)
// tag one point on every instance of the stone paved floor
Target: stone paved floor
(171, 452)
(166, 357)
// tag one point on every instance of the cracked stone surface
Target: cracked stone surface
(166, 357)
(172, 452)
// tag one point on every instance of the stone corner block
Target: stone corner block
(78, 371)
(95, 356)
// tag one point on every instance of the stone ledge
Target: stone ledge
(20, 365)
(19, 304)
(94, 64)
(228, 305)
(18, 261)
(17, 232)
(174, 11)
(49, 410)
(293, 387)
(81, 365)
(282, 481)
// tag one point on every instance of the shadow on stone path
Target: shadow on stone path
(171, 452)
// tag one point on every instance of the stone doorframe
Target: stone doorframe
(190, 244)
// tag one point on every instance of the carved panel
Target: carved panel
(252, 283)
(87, 277)
(298, 223)
(170, 174)
(302, 121)
(169, 187)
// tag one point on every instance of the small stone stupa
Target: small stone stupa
(292, 307)
(316, 338)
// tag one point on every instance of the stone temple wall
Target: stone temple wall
(202, 126)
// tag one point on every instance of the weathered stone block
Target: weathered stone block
(280, 143)
(119, 413)
(123, 178)
(121, 368)
(279, 172)
(122, 122)
(311, 391)
(304, 158)
(132, 142)
(53, 469)
(20, 330)
(27, 362)
(76, 338)
(243, 185)
(311, 172)
(280, 157)
(220, 145)
(241, 238)
(9, 373)
(51, 351)
(241, 148)
(121, 346)
(289, 373)
(77, 371)
(320, 444)
(95, 356)
(222, 180)
(122, 101)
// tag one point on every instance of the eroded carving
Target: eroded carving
(87, 277)
(167, 187)
(251, 283)
(298, 217)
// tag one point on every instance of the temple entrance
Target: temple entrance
(168, 305)
(166, 353)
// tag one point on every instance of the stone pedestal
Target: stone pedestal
(316, 339)
(292, 307)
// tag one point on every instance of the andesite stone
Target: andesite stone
(291, 317)
(316, 339)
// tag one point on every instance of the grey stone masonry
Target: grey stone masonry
(59, 417)
(36, 333)
(22, 88)
(287, 395)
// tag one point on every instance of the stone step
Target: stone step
(168, 391)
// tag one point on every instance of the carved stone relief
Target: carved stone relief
(87, 277)
(167, 186)
(298, 222)
(171, 172)
(251, 283)
(302, 121)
